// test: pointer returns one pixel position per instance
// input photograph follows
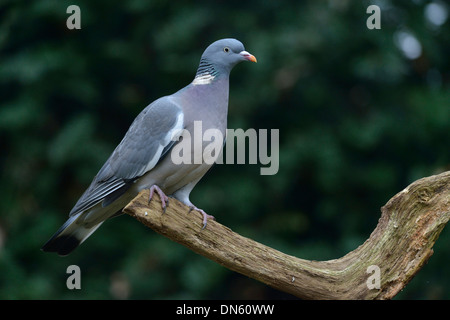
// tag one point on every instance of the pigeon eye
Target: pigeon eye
(226, 49)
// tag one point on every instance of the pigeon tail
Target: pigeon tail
(68, 237)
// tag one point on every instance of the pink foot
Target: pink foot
(204, 214)
(162, 196)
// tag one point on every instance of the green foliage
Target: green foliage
(358, 122)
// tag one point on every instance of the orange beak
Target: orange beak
(248, 56)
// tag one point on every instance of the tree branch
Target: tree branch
(400, 245)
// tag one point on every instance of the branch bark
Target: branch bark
(399, 246)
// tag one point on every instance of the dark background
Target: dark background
(362, 113)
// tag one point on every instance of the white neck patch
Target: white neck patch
(205, 78)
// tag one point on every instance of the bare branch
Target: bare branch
(399, 246)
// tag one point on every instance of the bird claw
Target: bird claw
(204, 214)
(162, 196)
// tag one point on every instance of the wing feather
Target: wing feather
(148, 139)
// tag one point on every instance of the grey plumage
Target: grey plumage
(142, 159)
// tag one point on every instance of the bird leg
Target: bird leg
(204, 214)
(162, 196)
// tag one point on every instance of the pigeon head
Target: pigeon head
(220, 57)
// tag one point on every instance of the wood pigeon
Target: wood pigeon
(143, 159)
